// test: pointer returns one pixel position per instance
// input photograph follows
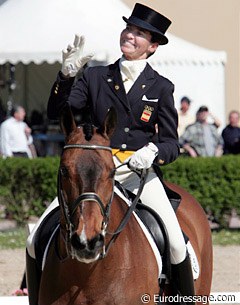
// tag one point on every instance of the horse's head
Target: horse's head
(86, 180)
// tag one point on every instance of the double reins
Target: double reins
(143, 176)
(91, 196)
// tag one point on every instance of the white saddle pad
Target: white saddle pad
(193, 257)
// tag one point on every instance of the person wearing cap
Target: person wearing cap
(201, 138)
(142, 99)
(185, 118)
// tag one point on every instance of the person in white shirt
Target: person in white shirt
(15, 135)
(185, 118)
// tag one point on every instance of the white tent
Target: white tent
(197, 72)
(33, 33)
(37, 30)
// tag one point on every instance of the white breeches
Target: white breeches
(154, 196)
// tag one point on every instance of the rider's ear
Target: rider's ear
(67, 122)
(110, 122)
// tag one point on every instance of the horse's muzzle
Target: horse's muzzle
(86, 250)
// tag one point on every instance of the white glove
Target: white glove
(73, 59)
(143, 157)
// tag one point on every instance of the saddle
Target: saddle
(155, 224)
(44, 233)
(148, 216)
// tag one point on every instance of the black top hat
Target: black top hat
(148, 19)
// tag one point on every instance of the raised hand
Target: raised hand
(72, 57)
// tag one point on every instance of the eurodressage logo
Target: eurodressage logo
(214, 298)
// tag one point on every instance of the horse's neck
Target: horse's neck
(61, 243)
(118, 210)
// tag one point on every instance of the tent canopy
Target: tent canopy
(37, 30)
(33, 33)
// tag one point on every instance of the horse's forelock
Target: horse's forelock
(88, 131)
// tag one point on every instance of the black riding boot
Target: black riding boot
(183, 279)
(33, 276)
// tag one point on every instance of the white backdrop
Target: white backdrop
(33, 33)
(197, 72)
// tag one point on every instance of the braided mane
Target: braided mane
(88, 131)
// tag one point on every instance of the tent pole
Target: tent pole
(25, 95)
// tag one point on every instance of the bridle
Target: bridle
(70, 208)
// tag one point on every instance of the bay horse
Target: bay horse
(78, 270)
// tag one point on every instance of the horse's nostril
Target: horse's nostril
(77, 243)
(96, 242)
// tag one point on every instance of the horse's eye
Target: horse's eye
(63, 171)
(112, 173)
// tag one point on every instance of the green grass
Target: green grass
(226, 237)
(13, 239)
(16, 238)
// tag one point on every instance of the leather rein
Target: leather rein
(91, 196)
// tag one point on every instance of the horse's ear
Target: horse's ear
(110, 122)
(67, 122)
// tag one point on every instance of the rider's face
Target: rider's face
(136, 43)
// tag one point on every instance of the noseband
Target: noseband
(90, 196)
(70, 208)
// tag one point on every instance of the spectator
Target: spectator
(202, 138)
(213, 120)
(231, 134)
(15, 135)
(185, 118)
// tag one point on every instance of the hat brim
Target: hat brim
(162, 39)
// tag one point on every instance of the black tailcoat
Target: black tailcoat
(148, 103)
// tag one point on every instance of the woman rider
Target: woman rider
(143, 100)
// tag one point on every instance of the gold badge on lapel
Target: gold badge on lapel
(147, 112)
